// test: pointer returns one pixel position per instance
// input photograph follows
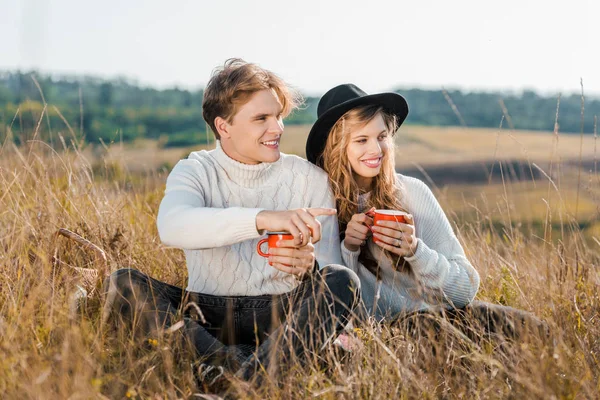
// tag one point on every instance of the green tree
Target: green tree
(105, 95)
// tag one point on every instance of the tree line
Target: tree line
(121, 109)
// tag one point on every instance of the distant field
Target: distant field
(425, 146)
(446, 145)
(433, 146)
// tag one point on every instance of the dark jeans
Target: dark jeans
(226, 330)
(477, 320)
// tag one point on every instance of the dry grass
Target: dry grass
(44, 353)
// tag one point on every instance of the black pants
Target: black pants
(477, 320)
(226, 330)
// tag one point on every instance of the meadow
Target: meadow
(533, 236)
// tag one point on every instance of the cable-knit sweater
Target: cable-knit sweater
(439, 273)
(209, 210)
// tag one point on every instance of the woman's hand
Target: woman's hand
(293, 260)
(397, 237)
(357, 231)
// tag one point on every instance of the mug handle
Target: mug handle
(259, 251)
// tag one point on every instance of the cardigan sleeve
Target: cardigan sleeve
(350, 258)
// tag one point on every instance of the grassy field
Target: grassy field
(535, 244)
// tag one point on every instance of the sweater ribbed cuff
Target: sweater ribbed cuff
(350, 258)
(420, 259)
(246, 227)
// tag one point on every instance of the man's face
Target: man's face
(253, 135)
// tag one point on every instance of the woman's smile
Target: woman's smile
(372, 162)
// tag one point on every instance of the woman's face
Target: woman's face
(366, 149)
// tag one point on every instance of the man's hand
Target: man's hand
(292, 260)
(301, 223)
(357, 231)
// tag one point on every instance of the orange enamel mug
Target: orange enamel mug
(271, 240)
(387, 215)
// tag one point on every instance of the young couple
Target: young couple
(240, 311)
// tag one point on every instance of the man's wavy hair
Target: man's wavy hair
(385, 192)
(232, 85)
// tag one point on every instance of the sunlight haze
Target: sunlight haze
(379, 45)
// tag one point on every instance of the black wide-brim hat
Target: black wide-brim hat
(337, 102)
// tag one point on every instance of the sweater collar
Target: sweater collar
(362, 201)
(246, 175)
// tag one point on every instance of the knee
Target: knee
(125, 291)
(127, 277)
(124, 280)
(343, 282)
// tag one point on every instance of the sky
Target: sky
(474, 45)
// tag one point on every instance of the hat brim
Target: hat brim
(317, 137)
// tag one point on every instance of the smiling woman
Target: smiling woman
(369, 141)
(409, 267)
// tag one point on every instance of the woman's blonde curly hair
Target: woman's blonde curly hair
(385, 190)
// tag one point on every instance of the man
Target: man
(216, 207)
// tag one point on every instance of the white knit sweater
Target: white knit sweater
(209, 210)
(440, 273)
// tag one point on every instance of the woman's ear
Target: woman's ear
(222, 127)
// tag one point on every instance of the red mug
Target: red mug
(271, 241)
(386, 215)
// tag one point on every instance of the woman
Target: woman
(413, 266)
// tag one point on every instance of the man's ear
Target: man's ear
(222, 127)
